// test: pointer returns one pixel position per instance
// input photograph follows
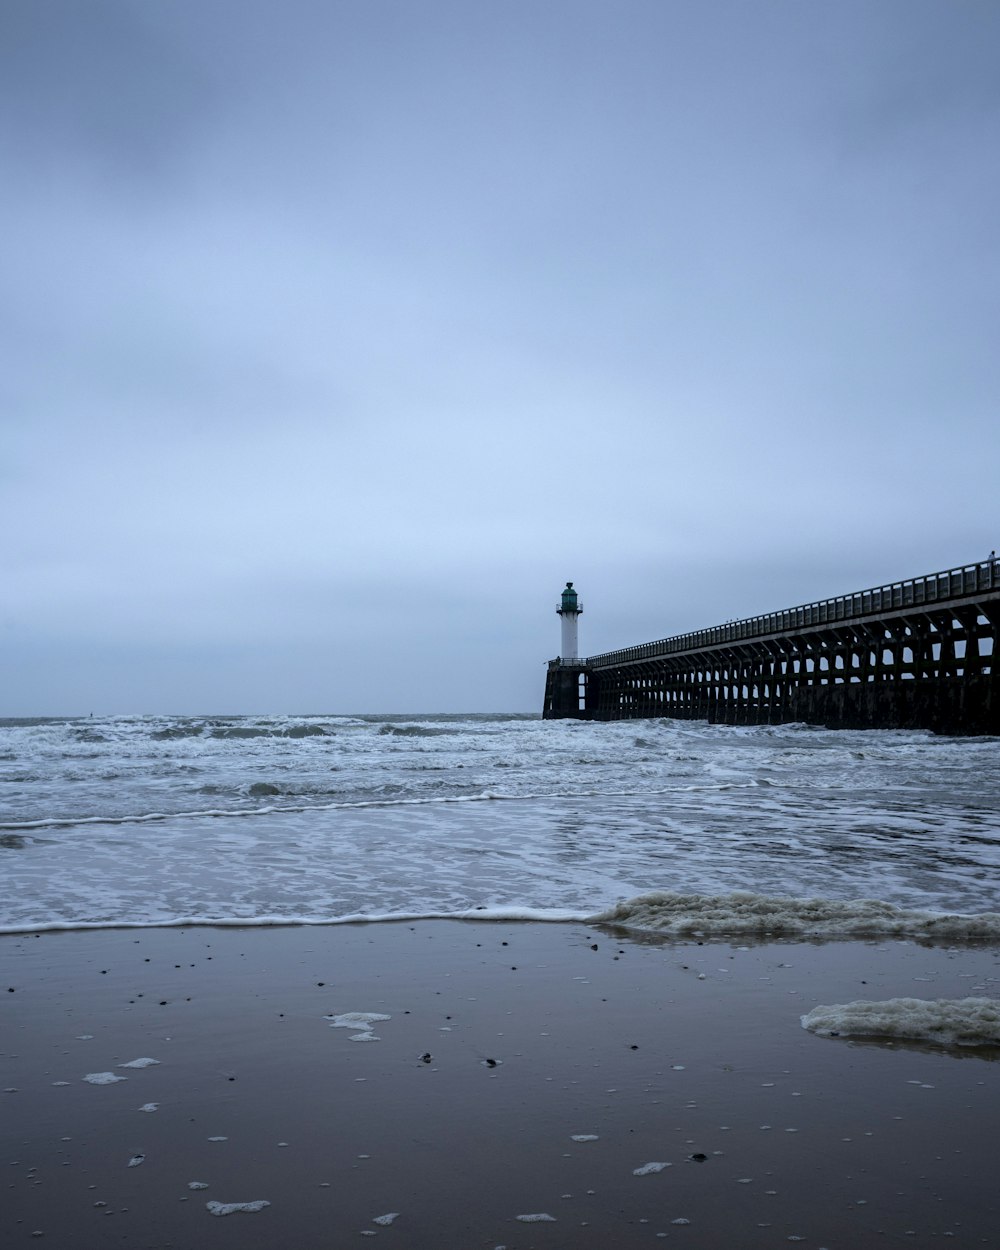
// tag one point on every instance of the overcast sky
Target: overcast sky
(337, 336)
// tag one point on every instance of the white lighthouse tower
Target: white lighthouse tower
(569, 611)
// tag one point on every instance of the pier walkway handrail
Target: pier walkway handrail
(960, 583)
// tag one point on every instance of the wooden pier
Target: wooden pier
(915, 654)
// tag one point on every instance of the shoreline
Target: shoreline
(733, 915)
(535, 1033)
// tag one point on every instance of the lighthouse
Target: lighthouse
(569, 611)
(570, 690)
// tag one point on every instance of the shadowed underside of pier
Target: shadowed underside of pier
(915, 654)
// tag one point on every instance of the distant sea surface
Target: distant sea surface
(319, 819)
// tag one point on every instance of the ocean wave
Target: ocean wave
(743, 913)
(173, 732)
(65, 822)
(667, 916)
(224, 731)
(482, 796)
(527, 915)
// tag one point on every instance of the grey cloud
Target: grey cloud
(98, 85)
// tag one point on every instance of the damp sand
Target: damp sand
(518, 1072)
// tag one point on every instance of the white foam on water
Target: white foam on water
(149, 1106)
(218, 1139)
(230, 1208)
(743, 912)
(584, 1137)
(387, 1219)
(103, 1078)
(139, 1063)
(945, 1021)
(648, 1169)
(539, 1217)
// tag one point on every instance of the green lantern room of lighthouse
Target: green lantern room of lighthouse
(569, 601)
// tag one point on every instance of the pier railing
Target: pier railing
(952, 584)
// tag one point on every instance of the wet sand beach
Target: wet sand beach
(522, 1069)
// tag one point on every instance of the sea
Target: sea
(678, 826)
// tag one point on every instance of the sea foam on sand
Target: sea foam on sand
(230, 1208)
(745, 913)
(649, 1169)
(361, 1021)
(947, 1021)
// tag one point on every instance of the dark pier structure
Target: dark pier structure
(917, 654)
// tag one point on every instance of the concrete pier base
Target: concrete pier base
(567, 692)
